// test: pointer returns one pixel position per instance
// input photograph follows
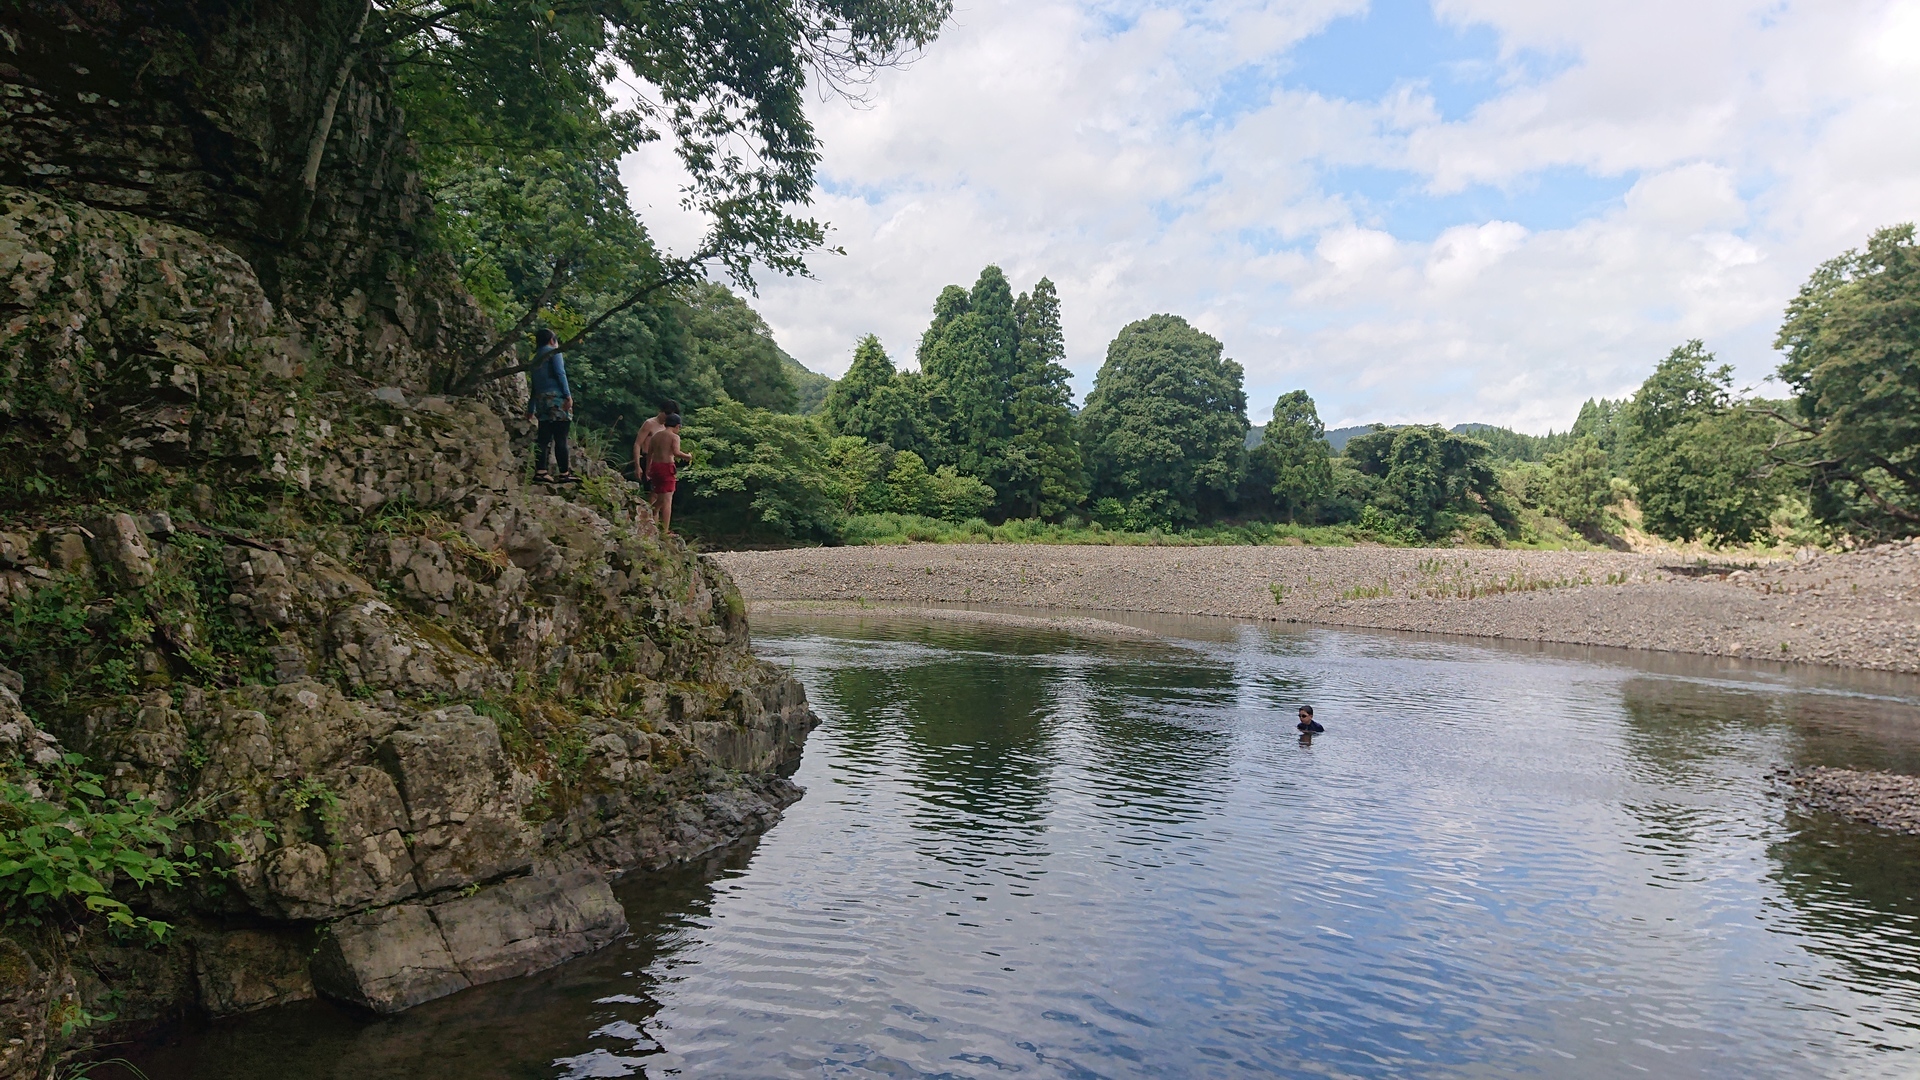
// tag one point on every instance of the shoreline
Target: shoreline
(1857, 610)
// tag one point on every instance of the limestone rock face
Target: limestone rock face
(30, 987)
(443, 705)
(459, 800)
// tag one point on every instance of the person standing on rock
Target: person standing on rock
(551, 404)
(663, 451)
(668, 407)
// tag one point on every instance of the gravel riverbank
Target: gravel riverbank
(1859, 609)
(1887, 800)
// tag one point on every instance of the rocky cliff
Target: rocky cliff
(252, 569)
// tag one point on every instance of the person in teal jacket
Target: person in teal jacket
(552, 405)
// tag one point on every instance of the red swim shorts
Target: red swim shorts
(660, 477)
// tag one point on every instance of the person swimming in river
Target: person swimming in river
(1307, 723)
(663, 453)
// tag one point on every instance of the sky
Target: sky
(1457, 211)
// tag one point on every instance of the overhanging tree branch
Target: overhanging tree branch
(507, 340)
(683, 271)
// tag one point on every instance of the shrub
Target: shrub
(65, 843)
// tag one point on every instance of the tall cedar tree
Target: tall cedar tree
(1166, 425)
(1852, 339)
(995, 399)
(1044, 476)
(875, 402)
(968, 355)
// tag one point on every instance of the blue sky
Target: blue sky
(1477, 210)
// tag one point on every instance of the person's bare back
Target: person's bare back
(652, 424)
(664, 446)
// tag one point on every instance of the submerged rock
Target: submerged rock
(393, 958)
(1886, 800)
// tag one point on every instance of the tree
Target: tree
(738, 344)
(1044, 477)
(845, 410)
(968, 355)
(638, 358)
(514, 109)
(810, 388)
(873, 478)
(993, 398)
(1165, 427)
(1600, 422)
(1510, 445)
(1701, 466)
(1852, 339)
(1294, 451)
(1577, 486)
(873, 401)
(1428, 477)
(1709, 478)
(758, 472)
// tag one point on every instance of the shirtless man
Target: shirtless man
(668, 407)
(663, 450)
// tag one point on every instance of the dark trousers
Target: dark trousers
(552, 433)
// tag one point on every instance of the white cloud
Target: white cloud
(1118, 150)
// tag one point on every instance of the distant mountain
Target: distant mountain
(809, 386)
(1507, 444)
(1337, 438)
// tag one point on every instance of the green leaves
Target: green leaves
(66, 846)
(523, 112)
(1712, 477)
(1578, 486)
(1852, 339)
(1425, 477)
(1165, 426)
(757, 472)
(1297, 456)
(992, 400)
(736, 342)
(1702, 465)
(64, 843)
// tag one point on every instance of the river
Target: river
(1024, 853)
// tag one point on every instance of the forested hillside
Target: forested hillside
(985, 428)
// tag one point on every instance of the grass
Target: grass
(914, 529)
(1446, 578)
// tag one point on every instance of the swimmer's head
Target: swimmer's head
(1306, 712)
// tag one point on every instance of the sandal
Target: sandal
(542, 476)
(566, 478)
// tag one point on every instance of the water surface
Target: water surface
(1028, 854)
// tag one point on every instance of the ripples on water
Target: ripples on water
(1025, 854)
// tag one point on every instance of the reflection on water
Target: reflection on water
(1024, 853)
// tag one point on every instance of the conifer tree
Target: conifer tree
(1052, 480)
(992, 398)
(968, 357)
(874, 401)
